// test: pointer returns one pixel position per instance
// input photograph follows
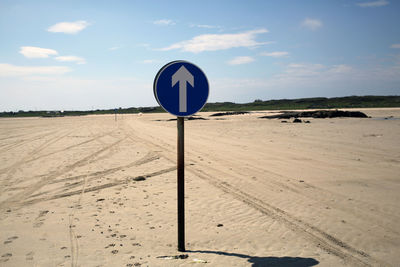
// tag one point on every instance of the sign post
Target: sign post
(181, 184)
(181, 100)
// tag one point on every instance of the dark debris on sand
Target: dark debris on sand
(175, 257)
(191, 118)
(318, 114)
(139, 178)
(229, 113)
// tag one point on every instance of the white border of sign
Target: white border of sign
(158, 75)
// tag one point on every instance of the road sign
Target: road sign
(181, 88)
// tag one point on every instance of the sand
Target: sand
(92, 191)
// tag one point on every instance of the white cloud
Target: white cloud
(275, 54)
(240, 60)
(312, 24)
(149, 61)
(69, 27)
(214, 42)
(76, 59)
(67, 92)
(395, 46)
(36, 52)
(205, 26)
(377, 3)
(8, 70)
(310, 69)
(304, 69)
(164, 22)
(143, 45)
(310, 80)
(114, 48)
(342, 68)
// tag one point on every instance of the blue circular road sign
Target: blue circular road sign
(181, 88)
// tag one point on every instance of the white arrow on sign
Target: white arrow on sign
(182, 75)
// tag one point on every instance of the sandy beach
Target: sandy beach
(92, 191)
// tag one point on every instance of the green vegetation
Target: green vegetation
(282, 104)
(48, 114)
(309, 103)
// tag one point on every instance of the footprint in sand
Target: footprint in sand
(39, 219)
(37, 224)
(5, 257)
(29, 256)
(10, 239)
(110, 245)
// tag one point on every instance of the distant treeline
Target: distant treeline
(281, 104)
(309, 103)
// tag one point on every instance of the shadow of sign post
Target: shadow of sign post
(266, 261)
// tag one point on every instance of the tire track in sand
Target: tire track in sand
(69, 147)
(317, 236)
(99, 187)
(10, 171)
(17, 199)
(19, 143)
(313, 193)
(74, 243)
(149, 157)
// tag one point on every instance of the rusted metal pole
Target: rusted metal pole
(181, 185)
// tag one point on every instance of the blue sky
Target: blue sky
(103, 54)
